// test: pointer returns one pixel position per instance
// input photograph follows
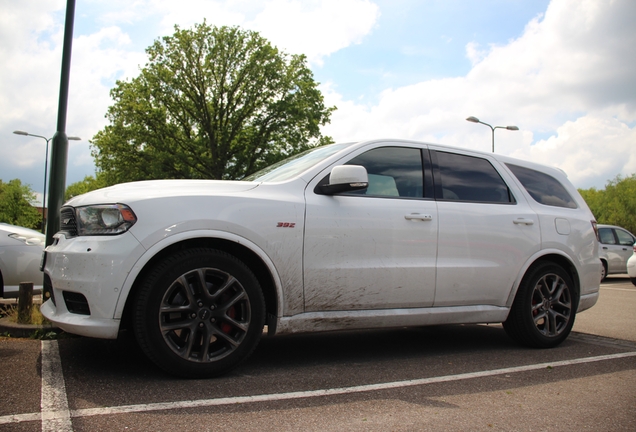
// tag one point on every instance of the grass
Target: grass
(36, 316)
(11, 312)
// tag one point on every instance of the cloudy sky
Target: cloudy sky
(563, 71)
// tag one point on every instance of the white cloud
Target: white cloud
(569, 74)
(316, 28)
(589, 149)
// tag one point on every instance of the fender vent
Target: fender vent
(76, 303)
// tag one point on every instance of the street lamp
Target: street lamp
(476, 120)
(46, 165)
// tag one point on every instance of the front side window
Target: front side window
(392, 171)
(542, 187)
(467, 178)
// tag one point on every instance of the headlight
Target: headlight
(106, 219)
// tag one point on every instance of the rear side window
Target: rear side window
(606, 236)
(466, 178)
(542, 187)
(624, 238)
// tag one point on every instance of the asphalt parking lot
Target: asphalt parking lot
(465, 377)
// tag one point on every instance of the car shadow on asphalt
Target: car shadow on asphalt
(120, 374)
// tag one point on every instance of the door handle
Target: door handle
(523, 221)
(419, 217)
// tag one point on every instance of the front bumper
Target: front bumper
(80, 324)
(587, 301)
(94, 269)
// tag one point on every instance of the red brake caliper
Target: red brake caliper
(225, 327)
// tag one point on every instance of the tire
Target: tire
(633, 280)
(603, 270)
(199, 313)
(543, 312)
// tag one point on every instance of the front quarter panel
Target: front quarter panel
(267, 221)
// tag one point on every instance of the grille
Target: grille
(67, 221)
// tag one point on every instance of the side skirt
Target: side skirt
(385, 318)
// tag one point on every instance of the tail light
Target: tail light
(596, 230)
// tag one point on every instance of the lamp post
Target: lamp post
(476, 120)
(46, 165)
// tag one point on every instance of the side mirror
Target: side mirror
(345, 178)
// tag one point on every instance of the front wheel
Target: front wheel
(199, 313)
(542, 314)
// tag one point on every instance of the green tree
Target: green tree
(616, 204)
(89, 183)
(15, 205)
(211, 103)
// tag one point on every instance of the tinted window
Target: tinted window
(543, 188)
(606, 236)
(393, 171)
(467, 178)
(624, 238)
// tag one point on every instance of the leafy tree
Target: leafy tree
(15, 205)
(89, 183)
(616, 204)
(211, 103)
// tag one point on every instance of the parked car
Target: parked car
(373, 234)
(615, 249)
(20, 255)
(631, 266)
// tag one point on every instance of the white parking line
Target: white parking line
(126, 409)
(55, 414)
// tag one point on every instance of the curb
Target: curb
(22, 330)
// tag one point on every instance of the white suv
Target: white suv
(361, 235)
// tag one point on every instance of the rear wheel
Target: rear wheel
(542, 314)
(633, 280)
(603, 270)
(199, 313)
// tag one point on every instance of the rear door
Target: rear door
(486, 231)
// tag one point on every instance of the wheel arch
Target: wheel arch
(552, 257)
(251, 259)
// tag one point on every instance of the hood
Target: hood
(138, 191)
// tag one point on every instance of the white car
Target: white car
(615, 248)
(631, 265)
(371, 234)
(20, 255)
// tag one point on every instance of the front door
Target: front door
(375, 249)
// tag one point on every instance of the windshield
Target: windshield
(295, 165)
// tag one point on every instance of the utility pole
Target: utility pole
(59, 148)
